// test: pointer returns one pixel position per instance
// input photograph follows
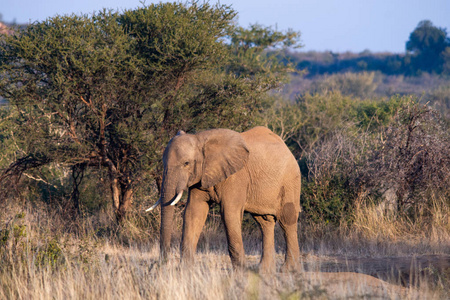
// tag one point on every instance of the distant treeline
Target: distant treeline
(427, 50)
(319, 63)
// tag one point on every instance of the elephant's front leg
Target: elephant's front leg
(194, 218)
(232, 219)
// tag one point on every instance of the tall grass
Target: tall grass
(376, 232)
(130, 273)
(47, 256)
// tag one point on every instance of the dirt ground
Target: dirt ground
(404, 270)
(384, 277)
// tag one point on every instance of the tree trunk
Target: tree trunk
(122, 197)
(115, 192)
(125, 202)
(77, 178)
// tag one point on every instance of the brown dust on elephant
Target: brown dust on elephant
(252, 172)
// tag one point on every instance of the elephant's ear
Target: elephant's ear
(225, 153)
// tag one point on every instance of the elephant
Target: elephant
(253, 171)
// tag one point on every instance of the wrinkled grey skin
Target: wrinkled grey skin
(252, 171)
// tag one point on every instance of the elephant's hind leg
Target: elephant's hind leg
(267, 225)
(288, 223)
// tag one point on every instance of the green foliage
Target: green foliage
(371, 114)
(312, 118)
(329, 200)
(4, 236)
(446, 58)
(51, 254)
(322, 63)
(73, 79)
(284, 118)
(426, 37)
(12, 237)
(10, 142)
(427, 43)
(251, 57)
(174, 39)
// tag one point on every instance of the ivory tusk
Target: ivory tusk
(159, 202)
(154, 205)
(177, 198)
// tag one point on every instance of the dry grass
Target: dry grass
(430, 236)
(130, 273)
(45, 258)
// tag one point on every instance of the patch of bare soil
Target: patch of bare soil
(404, 270)
(338, 277)
(323, 285)
(356, 285)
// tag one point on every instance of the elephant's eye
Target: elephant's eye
(186, 164)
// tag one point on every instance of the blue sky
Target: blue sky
(335, 25)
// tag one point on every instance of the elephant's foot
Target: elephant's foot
(289, 267)
(238, 266)
(187, 261)
(187, 253)
(267, 268)
(238, 263)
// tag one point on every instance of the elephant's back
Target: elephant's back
(261, 134)
(273, 170)
(268, 147)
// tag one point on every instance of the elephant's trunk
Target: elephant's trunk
(166, 224)
(166, 229)
(167, 194)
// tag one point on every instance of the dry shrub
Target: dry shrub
(329, 191)
(440, 100)
(413, 160)
(361, 85)
(405, 163)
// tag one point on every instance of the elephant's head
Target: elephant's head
(203, 159)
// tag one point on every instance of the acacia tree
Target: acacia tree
(109, 90)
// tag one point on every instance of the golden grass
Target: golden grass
(130, 273)
(45, 257)
(430, 234)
